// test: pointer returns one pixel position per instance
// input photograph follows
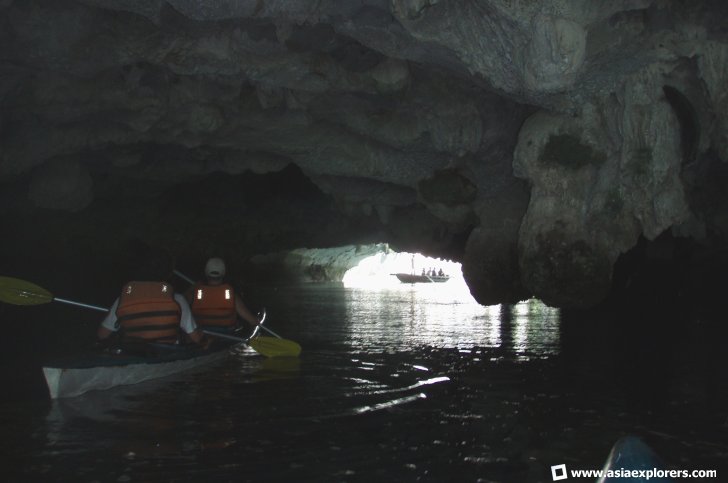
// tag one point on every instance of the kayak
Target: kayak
(112, 367)
(109, 368)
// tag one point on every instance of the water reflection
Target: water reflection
(398, 318)
(534, 328)
(382, 371)
(390, 404)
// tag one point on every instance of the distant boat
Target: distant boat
(411, 278)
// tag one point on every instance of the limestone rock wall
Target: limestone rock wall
(313, 264)
(535, 141)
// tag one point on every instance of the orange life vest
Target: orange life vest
(214, 305)
(148, 311)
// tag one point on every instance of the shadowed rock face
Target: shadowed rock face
(537, 142)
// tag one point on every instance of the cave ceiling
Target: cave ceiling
(534, 141)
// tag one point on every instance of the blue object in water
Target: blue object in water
(632, 461)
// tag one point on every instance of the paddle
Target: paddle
(268, 346)
(21, 292)
(190, 281)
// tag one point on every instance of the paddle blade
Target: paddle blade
(273, 347)
(21, 292)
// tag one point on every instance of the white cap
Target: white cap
(215, 268)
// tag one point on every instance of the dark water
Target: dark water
(406, 384)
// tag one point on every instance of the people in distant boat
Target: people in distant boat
(440, 273)
(215, 304)
(148, 310)
(423, 272)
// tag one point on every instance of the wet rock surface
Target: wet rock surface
(537, 142)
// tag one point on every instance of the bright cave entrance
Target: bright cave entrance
(443, 278)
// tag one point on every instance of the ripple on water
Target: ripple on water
(392, 385)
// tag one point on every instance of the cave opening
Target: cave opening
(389, 269)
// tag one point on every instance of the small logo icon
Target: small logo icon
(558, 472)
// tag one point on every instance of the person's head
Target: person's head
(215, 270)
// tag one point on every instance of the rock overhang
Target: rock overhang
(536, 142)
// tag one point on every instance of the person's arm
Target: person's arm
(109, 325)
(187, 322)
(198, 337)
(244, 313)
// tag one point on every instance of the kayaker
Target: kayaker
(215, 304)
(148, 310)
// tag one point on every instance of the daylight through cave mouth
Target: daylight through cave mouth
(395, 270)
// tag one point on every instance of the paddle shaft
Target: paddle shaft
(234, 337)
(21, 292)
(79, 304)
(104, 309)
(189, 280)
(270, 331)
(226, 336)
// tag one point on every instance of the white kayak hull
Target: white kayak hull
(71, 381)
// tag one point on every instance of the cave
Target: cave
(563, 152)
(434, 149)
